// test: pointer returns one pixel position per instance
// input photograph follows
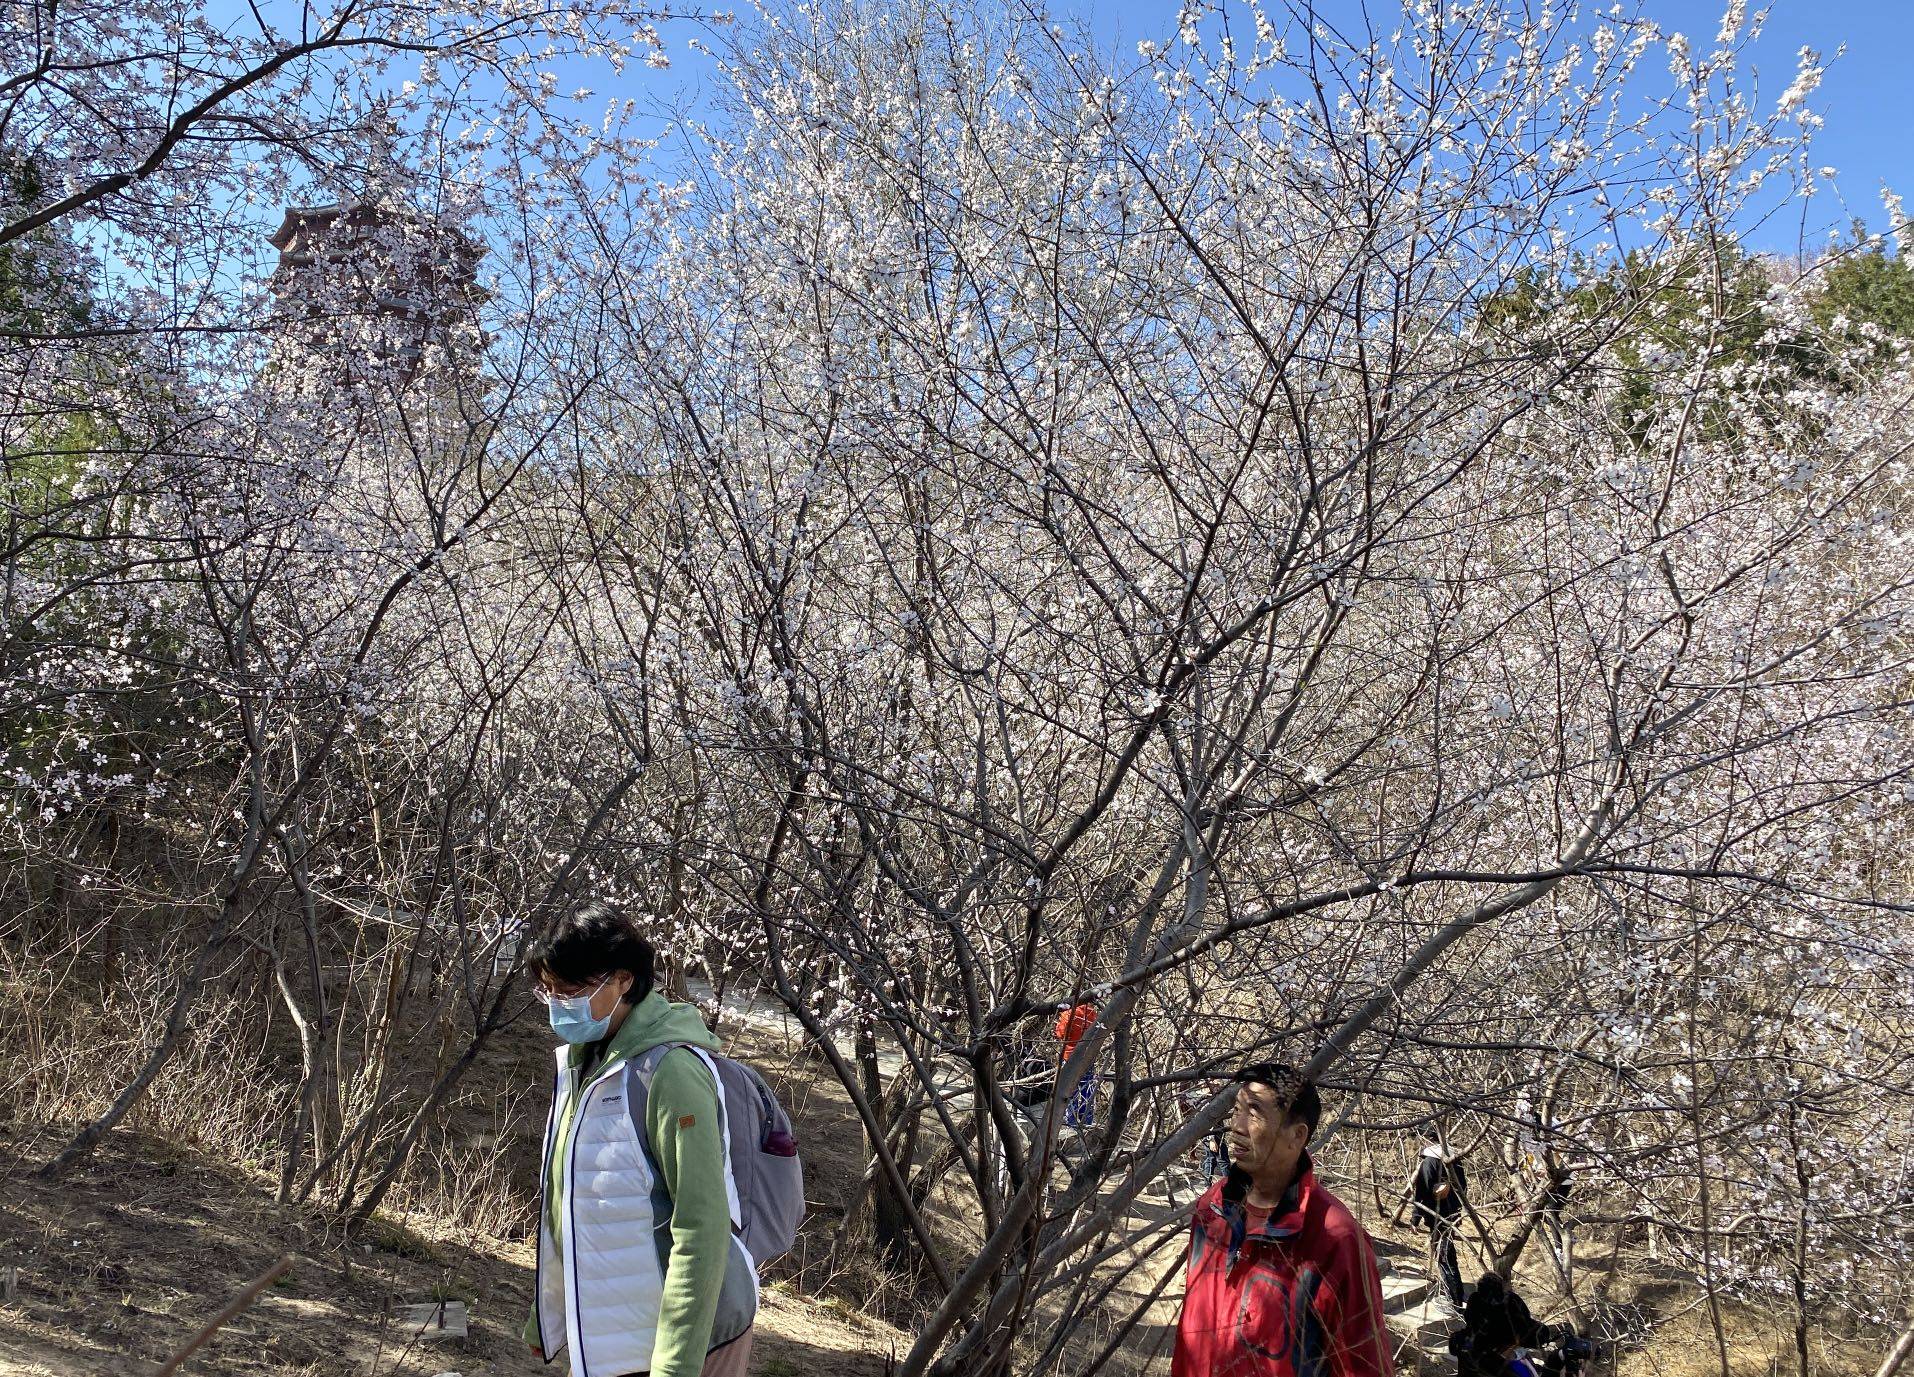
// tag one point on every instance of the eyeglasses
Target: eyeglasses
(546, 996)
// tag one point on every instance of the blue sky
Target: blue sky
(1867, 96)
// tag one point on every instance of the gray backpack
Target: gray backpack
(766, 1175)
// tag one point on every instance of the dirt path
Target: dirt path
(123, 1261)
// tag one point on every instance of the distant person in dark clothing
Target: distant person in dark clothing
(1438, 1188)
(1215, 1155)
(1496, 1322)
(1555, 1220)
(1211, 1153)
(1034, 1073)
(1033, 1079)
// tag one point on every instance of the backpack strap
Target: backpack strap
(639, 1072)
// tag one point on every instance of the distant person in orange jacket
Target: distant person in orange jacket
(1072, 1024)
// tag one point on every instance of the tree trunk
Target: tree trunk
(1800, 1258)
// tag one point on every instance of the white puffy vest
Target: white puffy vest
(599, 1302)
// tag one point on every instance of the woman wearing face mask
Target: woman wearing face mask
(638, 1268)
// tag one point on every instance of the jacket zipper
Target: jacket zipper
(582, 1368)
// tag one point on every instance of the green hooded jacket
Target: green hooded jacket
(681, 1121)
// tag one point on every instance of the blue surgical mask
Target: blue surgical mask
(572, 1020)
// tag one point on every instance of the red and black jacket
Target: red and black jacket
(1298, 1297)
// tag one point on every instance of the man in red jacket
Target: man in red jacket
(1281, 1279)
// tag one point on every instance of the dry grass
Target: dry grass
(72, 1044)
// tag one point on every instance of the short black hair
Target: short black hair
(1305, 1104)
(592, 940)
